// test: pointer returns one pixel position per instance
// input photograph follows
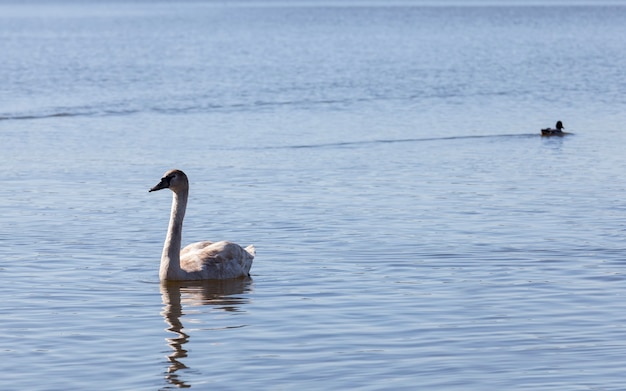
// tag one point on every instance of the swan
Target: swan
(202, 260)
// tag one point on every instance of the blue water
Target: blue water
(413, 230)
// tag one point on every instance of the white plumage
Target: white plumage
(201, 260)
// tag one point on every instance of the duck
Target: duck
(205, 260)
(554, 132)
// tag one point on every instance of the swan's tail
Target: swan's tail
(251, 250)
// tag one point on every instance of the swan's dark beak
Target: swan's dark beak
(164, 184)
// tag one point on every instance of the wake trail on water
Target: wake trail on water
(347, 144)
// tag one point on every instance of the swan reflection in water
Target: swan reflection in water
(220, 294)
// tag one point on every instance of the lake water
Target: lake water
(413, 230)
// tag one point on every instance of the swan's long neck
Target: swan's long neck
(170, 259)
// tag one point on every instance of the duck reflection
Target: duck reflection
(221, 294)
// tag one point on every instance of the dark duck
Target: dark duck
(554, 132)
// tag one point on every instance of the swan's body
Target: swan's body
(554, 132)
(201, 260)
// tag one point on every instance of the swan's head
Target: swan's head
(559, 125)
(175, 180)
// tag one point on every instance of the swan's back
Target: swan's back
(217, 261)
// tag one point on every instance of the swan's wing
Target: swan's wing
(193, 247)
(217, 260)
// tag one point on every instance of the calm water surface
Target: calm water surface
(413, 231)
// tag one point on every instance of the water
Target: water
(413, 230)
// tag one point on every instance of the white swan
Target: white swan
(201, 260)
